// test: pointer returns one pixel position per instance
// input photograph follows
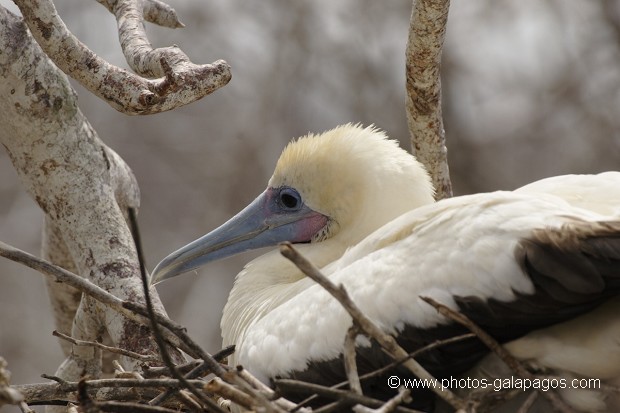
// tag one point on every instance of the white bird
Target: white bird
(537, 268)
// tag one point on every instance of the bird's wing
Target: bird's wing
(599, 193)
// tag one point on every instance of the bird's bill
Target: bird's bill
(260, 224)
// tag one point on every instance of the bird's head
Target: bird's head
(344, 184)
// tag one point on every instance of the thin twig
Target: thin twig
(387, 342)
(528, 403)
(225, 390)
(350, 365)
(390, 405)
(213, 365)
(557, 403)
(413, 354)
(23, 406)
(123, 389)
(157, 332)
(115, 350)
(344, 395)
(133, 311)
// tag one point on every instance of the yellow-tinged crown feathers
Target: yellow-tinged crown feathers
(355, 175)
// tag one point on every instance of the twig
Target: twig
(336, 406)
(387, 342)
(221, 388)
(557, 403)
(229, 376)
(157, 333)
(88, 405)
(427, 29)
(124, 389)
(350, 365)
(416, 353)
(25, 408)
(70, 386)
(389, 406)
(268, 391)
(184, 83)
(196, 369)
(116, 350)
(129, 407)
(344, 395)
(528, 403)
(130, 310)
(215, 367)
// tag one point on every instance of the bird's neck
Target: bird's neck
(267, 282)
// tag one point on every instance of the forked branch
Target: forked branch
(178, 82)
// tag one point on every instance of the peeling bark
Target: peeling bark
(82, 186)
(423, 63)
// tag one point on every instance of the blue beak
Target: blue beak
(275, 216)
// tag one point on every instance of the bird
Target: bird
(538, 268)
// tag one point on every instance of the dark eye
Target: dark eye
(290, 198)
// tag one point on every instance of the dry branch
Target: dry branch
(116, 350)
(103, 389)
(180, 81)
(220, 387)
(389, 406)
(350, 364)
(423, 62)
(156, 329)
(387, 342)
(334, 394)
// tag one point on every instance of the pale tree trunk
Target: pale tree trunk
(83, 187)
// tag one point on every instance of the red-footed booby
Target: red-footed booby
(537, 268)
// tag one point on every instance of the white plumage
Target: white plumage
(538, 259)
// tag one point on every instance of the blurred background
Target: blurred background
(531, 88)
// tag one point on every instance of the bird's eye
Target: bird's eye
(290, 198)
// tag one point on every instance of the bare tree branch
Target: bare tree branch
(423, 62)
(182, 81)
(387, 342)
